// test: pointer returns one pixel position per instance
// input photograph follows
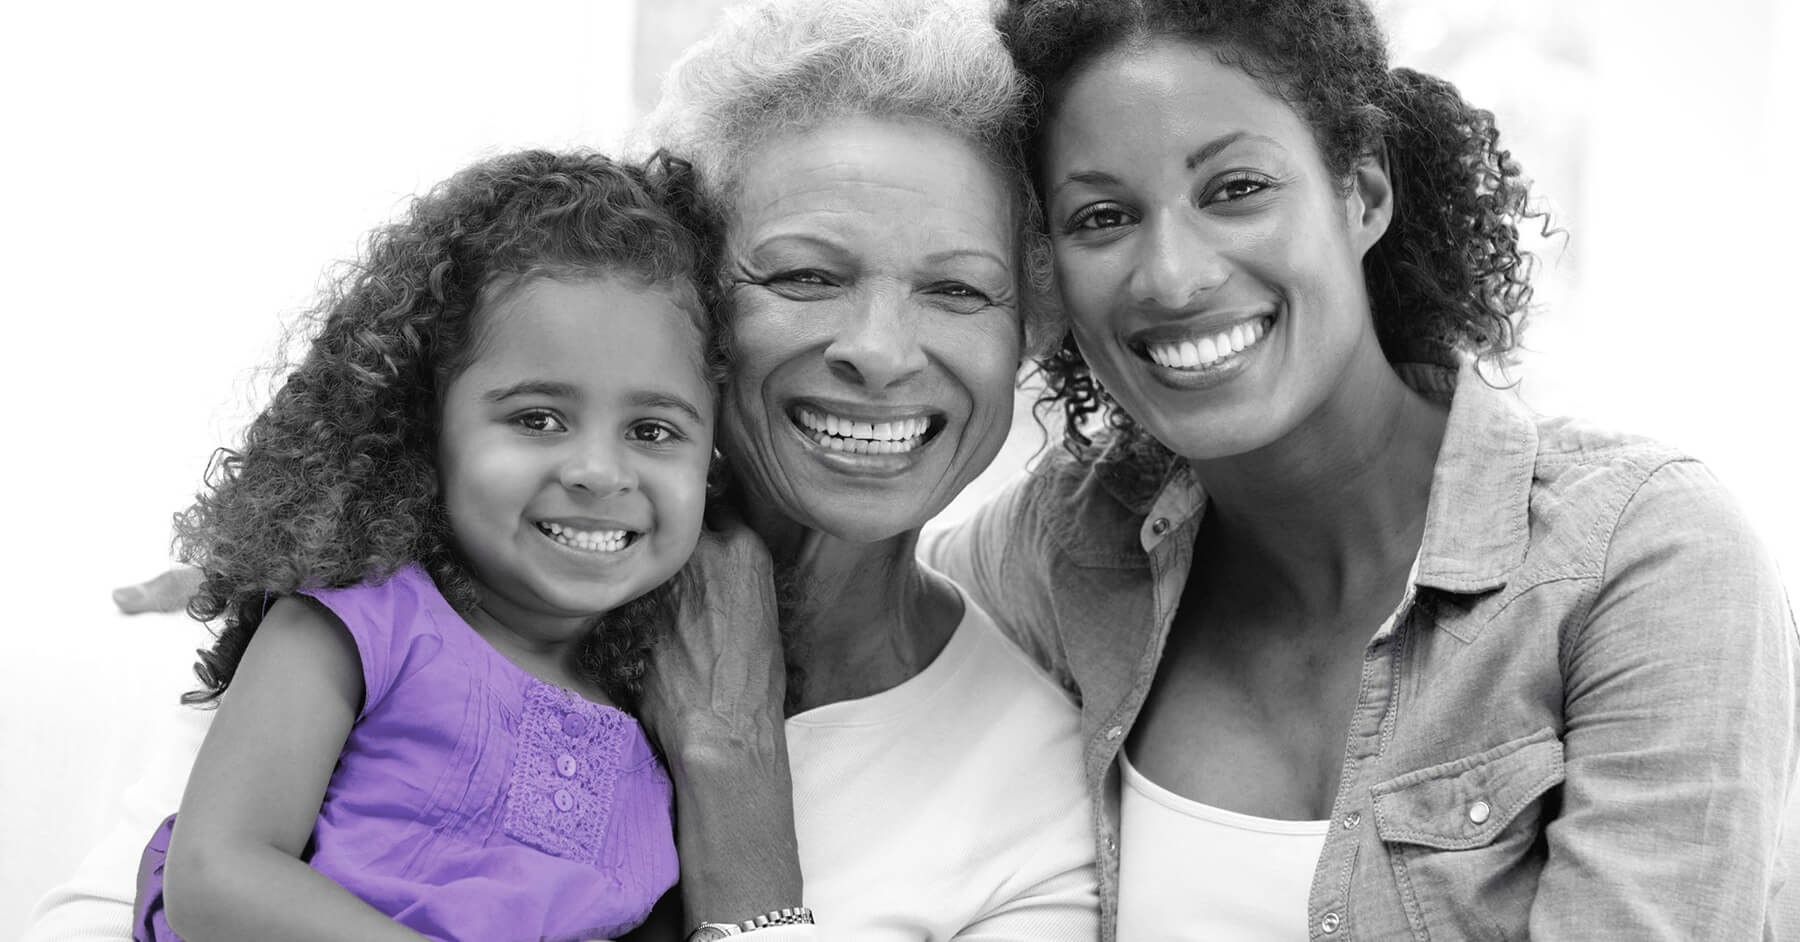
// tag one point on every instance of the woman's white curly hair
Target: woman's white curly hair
(776, 67)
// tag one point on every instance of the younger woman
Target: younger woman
(440, 558)
(1364, 649)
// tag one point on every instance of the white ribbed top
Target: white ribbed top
(1192, 871)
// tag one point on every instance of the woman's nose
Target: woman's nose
(1177, 263)
(877, 341)
(598, 464)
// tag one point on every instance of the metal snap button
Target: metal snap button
(1159, 526)
(1114, 732)
(1330, 923)
(1479, 811)
(1351, 820)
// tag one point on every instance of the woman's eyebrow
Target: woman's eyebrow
(947, 255)
(1198, 156)
(1089, 177)
(1211, 149)
(780, 239)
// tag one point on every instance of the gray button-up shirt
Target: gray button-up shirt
(1580, 724)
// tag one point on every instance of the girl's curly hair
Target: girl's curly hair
(1448, 276)
(336, 482)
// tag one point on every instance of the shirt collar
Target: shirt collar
(1476, 521)
(1476, 524)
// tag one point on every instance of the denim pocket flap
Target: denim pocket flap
(1467, 802)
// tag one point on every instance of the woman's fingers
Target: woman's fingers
(722, 665)
(168, 592)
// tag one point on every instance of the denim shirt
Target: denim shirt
(1580, 723)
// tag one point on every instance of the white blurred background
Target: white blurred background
(180, 172)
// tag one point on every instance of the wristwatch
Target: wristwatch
(714, 931)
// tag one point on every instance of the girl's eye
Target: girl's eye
(653, 433)
(540, 422)
(1100, 216)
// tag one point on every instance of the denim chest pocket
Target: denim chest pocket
(1465, 837)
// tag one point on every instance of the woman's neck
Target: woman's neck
(1339, 502)
(858, 618)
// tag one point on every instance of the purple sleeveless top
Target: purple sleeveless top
(473, 801)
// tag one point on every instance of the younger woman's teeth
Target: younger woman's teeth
(593, 541)
(864, 438)
(1210, 349)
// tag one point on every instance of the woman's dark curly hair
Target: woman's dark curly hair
(336, 482)
(1448, 276)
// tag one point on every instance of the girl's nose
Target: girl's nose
(876, 344)
(599, 465)
(1177, 264)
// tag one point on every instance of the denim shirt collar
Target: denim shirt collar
(1476, 526)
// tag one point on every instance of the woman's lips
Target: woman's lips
(1202, 351)
(893, 434)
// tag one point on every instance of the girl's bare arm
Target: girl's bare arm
(234, 869)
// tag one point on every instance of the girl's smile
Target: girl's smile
(591, 539)
(573, 450)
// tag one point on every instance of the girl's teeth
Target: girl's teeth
(594, 541)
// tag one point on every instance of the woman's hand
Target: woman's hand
(713, 701)
(168, 592)
(718, 680)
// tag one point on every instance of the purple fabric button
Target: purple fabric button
(564, 800)
(574, 724)
(565, 767)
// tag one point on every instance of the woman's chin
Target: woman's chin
(1214, 437)
(858, 516)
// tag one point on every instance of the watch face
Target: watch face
(708, 933)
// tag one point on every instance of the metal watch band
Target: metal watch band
(792, 916)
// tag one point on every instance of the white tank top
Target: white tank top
(1192, 871)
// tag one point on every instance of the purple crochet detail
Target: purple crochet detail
(562, 782)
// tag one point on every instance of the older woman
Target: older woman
(879, 301)
(1364, 650)
(878, 296)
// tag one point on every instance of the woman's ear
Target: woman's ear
(718, 476)
(1370, 205)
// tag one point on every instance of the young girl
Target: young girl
(441, 558)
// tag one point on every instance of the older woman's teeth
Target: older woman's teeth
(592, 541)
(864, 438)
(1193, 354)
